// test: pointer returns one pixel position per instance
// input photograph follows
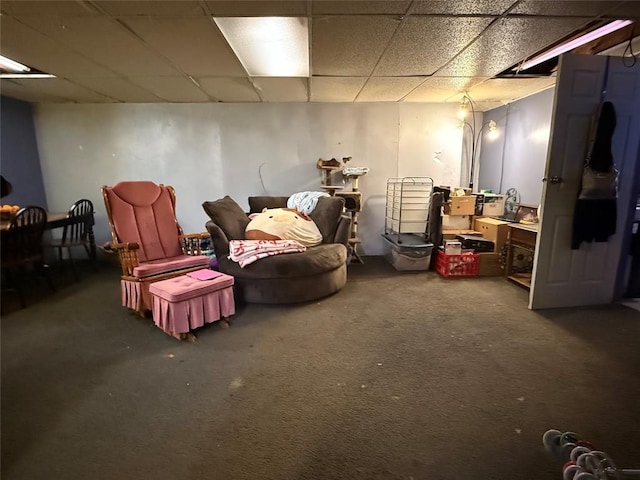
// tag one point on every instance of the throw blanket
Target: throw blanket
(305, 202)
(246, 252)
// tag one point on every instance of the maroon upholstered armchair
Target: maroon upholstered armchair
(149, 239)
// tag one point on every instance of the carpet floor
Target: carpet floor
(398, 376)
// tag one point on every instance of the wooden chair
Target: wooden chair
(148, 238)
(22, 249)
(77, 233)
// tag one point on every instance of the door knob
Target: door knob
(554, 179)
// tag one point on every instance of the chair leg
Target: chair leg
(73, 265)
(44, 269)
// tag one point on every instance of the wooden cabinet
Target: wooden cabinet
(521, 245)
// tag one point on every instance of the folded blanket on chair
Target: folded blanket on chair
(305, 202)
(246, 252)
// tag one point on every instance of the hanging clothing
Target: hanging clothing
(595, 214)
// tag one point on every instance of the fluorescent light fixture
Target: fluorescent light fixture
(12, 65)
(269, 46)
(576, 42)
(26, 75)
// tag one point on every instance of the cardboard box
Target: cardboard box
(461, 205)
(493, 205)
(456, 222)
(490, 265)
(492, 229)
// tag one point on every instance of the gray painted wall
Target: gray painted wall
(210, 150)
(517, 157)
(19, 160)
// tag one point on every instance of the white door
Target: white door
(563, 277)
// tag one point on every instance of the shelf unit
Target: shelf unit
(520, 238)
(407, 206)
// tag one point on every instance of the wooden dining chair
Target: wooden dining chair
(78, 232)
(22, 251)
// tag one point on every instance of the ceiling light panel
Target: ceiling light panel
(269, 46)
(412, 51)
(350, 46)
(12, 65)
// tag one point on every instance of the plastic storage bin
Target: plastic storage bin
(408, 252)
(465, 265)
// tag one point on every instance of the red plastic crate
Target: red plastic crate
(465, 265)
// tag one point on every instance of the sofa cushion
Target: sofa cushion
(326, 215)
(146, 269)
(229, 216)
(257, 204)
(316, 260)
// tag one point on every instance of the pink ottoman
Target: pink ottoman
(180, 304)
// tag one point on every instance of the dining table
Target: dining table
(62, 219)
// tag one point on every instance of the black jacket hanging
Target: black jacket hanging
(595, 214)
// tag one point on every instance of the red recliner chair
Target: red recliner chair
(149, 239)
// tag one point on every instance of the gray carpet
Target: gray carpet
(398, 376)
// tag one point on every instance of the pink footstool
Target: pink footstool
(180, 304)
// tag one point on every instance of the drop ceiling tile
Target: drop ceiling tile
(440, 89)
(61, 88)
(27, 94)
(119, 89)
(282, 89)
(412, 51)
(563, 8)
(45, 8)
(349, 46)
(629, 10)
(257, 8)
(103, 39)
(172, 89)
(229, 89)
(388, 89)
(25, 45)
(335, 89)
(509, 89)
(507, 42)
(463, 7)
(360, 7)
(195, 45)
(147, 8)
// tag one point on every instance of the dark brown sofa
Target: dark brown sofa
(289, 278)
